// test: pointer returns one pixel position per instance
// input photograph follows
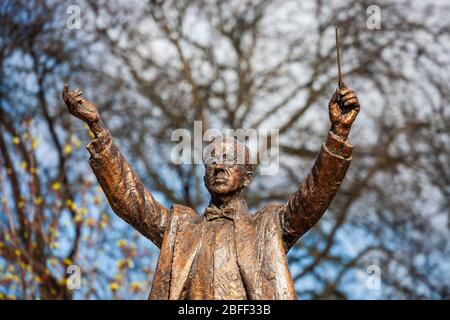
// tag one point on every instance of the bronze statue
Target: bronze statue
(226, 253)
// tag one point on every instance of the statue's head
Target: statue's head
(228, 167)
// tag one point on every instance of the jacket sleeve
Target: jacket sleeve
(314, 194)
(126, 194)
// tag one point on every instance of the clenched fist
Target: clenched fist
(343, 109)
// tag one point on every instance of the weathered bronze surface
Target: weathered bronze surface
(227, 252)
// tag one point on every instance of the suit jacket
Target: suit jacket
(262, 239)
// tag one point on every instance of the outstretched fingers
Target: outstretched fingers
(78, 95)
(77, 92)
(65, 91)
(67, 97)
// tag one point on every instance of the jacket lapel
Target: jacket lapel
(161, 280)
(248, 254)
(261, 256)
(184, 253)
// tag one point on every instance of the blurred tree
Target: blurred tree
(52, 216)
(156, 66)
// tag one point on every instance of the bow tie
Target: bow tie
(214, 213)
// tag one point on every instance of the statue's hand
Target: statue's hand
(343, 109)
(80, 107)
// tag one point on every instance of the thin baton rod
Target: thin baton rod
(338, 53)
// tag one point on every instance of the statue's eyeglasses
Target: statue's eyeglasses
(226, 159)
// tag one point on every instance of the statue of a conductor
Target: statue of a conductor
(227, 252)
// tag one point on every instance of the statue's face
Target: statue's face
(224, 175)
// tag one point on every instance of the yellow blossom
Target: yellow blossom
(70, 204)
(53, 231)
(91, 134)
(56, 185)
(114, 286)
(78, 218)
(67, 149)
(16, 140)
(76, 141)
(120, 264)
(98, 200)
(34, 143)
(67, 261)
(38, 200)
(53, 261)
(54, 245)
(135, 286)
(121, 243)
(21, 204)
(9, 277)
(90, 222)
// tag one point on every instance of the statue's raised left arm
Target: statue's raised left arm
(314, 194)
(125, 192)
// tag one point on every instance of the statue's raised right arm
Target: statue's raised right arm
(126, 194)
(314, 194)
